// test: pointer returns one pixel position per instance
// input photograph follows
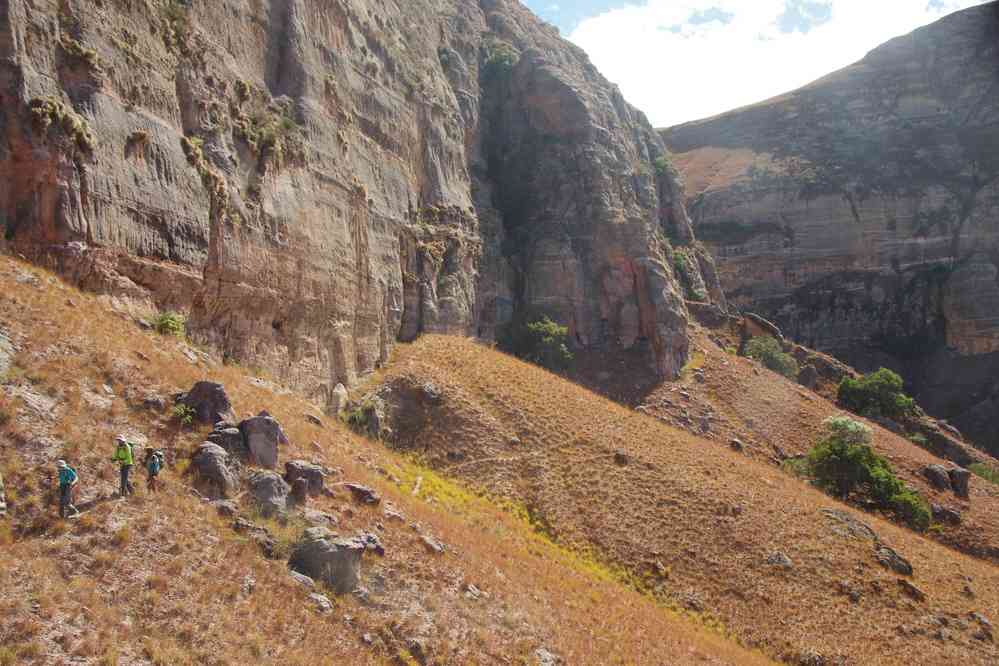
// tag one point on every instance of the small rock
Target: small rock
(892, 560)
(544, 657)
(319, 518)
(313, 419)
(226, 508)
(432, 545)
(363, 493)
(911, 590)
(736, 445)
(322, 602)
(302, 579)
(249, 584)
(621, 458)
(960, 480)
(372, 543)
(779, 559)
(391, 513)
(257, 534)
(938, 476)
(944, 514)
(299, 492)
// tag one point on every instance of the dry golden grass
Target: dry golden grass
(686, 518)
(163, 579)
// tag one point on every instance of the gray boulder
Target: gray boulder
(299, 492)
(335, 561)
(938, 476)
(960, 481)
(263, 435)
(892, 560)
(209, 402)
(269, 491)
(214, 472)
(314, 475)
(226, 508)
(363, 493)
(230, 439)
(945, 514)
(808, 376)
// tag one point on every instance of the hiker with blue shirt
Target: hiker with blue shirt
(68, 479)
(125, 458)
(154, 464)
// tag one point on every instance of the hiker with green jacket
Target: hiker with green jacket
(125, 458)
(68, 479)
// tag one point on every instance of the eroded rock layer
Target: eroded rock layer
(861, 212)
(314, 180)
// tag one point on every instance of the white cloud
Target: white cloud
(677, 70)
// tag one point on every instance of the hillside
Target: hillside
(859, 212)
(782, 566)
(166, 580)
(314, 180)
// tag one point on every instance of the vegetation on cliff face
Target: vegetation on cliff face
(876, 394)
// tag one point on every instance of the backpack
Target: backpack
(155, 463)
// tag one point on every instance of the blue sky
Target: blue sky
(681, 60)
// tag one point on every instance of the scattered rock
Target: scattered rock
(736, 445)
(314, 475)
(249, 584)
(299, 492)
(391, 513)
(849, 590)
(327, 558)
(226, 508)
(545, 657)
(269, 491)
(911, 590)
(432, 545)
(808, 376)
(373, 543)
(302, 579)
(209, 402)
(313, 419)
(846, 525)
(257, 534)
(154, 402)
(363, 493)
(944, 514)
(621, 458)
(779, 559)
(892, 560)
(938, 476)
(960, 480)
(263, 436)
(319, 518)
(322, 602)
(214, 473)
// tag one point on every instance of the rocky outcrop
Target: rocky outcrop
(861, 212)
(214, 473)
(313, 180)
(336, 561)
(263, 436)
(209, 403)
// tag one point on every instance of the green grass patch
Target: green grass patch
(985, 471)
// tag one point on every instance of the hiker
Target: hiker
(124, 457)
(68, 479)
(3, 499)
(154, 463)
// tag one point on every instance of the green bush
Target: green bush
(183, 414)
(539, 340)
(875, 394)
(843, 463)
(986, 472)
(170, 323)
(768, 351)
(500, 59)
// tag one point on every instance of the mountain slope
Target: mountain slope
(688, 519)
(165, 580)
(859, 212)
(314, 180)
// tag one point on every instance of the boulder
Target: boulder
(892, 560)
(808, 377)
(214, 471)
(321, 601)
(960, 481)
(335, 561)
(945, 514)
(299, 492)
(209, 402)
(314, 475)
(779, 559)
(226, 508)
(911, 590)
(363, 493)
(269, 491)
(432, 545)
(263, 435)
(938, 476)
(230, 439)
(303, 580)
(313, 419)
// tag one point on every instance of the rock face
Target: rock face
(312, 181)
(861, 212)
(209, 402)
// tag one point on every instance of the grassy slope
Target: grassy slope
(690, 520)
(164, 580)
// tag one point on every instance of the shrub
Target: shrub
(183, 414)
(843, 463)
(875, 394)
(538, 340)
(986, 472)
(500, 59)
(768, 351)
(170, 323)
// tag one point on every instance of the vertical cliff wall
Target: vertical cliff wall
(861, 212)
(314, 180)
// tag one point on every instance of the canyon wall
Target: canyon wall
(861, 212)
(314, 180)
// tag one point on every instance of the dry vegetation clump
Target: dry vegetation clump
(163, 579)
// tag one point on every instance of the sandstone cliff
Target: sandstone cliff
(861, 212)
(314, 180)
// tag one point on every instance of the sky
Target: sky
(680, 60)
